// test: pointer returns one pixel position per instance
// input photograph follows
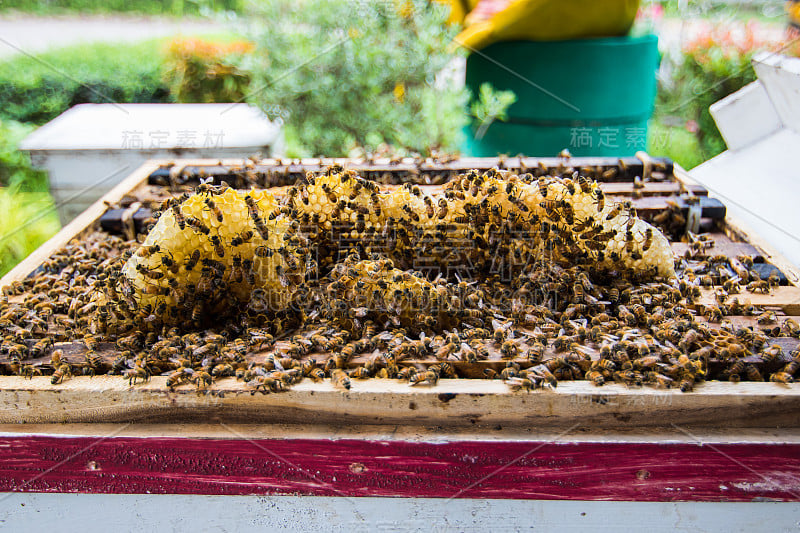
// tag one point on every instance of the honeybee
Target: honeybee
(197, 225)
(42, 346)
(601, 200)
(217, 244)
(213, 208)
(543, 187)
(90, 342)
(340, 379)
(94, 363)
(192, 260)
(181, 375)
(792, 327)
(429, 377)
(263, 251)
(361, 373)
(595, 377)
(584, 184)
(62, 371)
(761, 285)
(781, 377)
(148, 273)
(147, 251)
(648, 239)
(241, 238)
(179, 218)
(509, 349)
(520, 383)
(753, 374)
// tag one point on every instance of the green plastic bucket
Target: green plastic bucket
(592, 96)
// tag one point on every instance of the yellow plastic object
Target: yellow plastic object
(545, 20)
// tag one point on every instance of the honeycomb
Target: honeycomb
(211, 250)
(221, 249)
(376, 291)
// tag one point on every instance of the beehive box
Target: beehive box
(625, 442)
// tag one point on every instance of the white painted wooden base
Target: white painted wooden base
(110, 512)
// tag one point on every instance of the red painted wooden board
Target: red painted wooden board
(513, 470)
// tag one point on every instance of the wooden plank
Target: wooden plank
(787, 298)
(722, 246)
(532, 470)
(214, 429)
(78, 226)
(452, 403)
(296, 169)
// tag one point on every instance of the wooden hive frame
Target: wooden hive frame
(452, 403)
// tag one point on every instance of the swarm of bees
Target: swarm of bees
(532, 280)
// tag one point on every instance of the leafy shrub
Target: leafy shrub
(15, 166)
(713, 65)
(490, 105)
(39, 89)
(200, 71)
(348, 74)
(29, 219)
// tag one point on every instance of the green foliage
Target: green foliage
(713, 65)
(490, 105)
(147, 7)
(29, 219)
(201, 71)
(39, 89)
(15, 166)
(676, 143)
(362, 73)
